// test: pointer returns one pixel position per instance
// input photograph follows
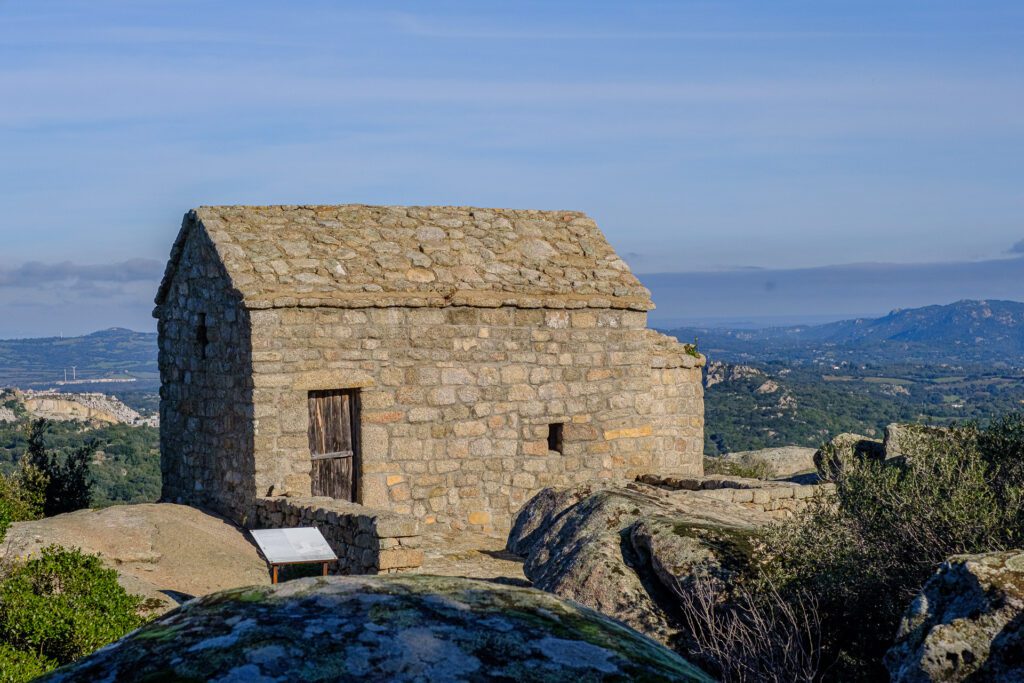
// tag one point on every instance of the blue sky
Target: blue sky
(703, 136)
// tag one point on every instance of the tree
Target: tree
(70, 486)
(62, 483)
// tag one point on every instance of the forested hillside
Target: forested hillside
(125, 468)
(762, 405)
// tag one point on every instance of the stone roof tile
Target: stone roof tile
(355, 256)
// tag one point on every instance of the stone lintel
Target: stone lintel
(319, 380)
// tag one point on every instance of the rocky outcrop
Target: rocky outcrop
(828, 459)
(92, 407)
(409, 628)
(777, 462)
(718, 372)
(967, 623)
(162, 551)
(622, 549)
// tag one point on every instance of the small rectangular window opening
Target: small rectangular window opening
(555, 437)
(202, 337)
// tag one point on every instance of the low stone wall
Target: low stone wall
(778, 498)
(366, 541)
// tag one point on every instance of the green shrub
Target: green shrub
(6, 517)
(64, 604)
(17, 666)
(1002, 446)
(866, 552)
(21, 495)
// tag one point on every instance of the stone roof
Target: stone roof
(355, 256)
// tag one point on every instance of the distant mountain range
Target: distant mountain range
(965, 332)
(116, 353)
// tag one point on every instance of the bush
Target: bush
(21, 496)
(17, 666)
(1002, 447)
(64, 604)
(865, 552)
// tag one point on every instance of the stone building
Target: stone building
(442, 362)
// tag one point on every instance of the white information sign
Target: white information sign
(302, 544)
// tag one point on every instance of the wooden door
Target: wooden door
(334, 442)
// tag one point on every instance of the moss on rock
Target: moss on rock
(400, 628)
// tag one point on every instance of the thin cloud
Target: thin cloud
(1017, 248)
(419, 26)
(146, 91)
(38, 274)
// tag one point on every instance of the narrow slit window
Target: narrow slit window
(555, 437)
(202, 335)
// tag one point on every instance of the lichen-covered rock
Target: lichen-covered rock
(967, 623)
(536, 517)
(579, 543)
(828, 459)
(585, 554)
(408, 628)
(679, 551)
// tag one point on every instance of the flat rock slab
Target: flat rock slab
(472, 555)
(160, 550)
(395, 628)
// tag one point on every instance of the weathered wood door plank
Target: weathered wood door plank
(333, 442)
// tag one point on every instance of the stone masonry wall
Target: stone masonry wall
(676, 408)
(780, 499)
(456, 403)
(206, 394)
(366, 541)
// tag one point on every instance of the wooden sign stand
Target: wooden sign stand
(299, 545)
(275, 565)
